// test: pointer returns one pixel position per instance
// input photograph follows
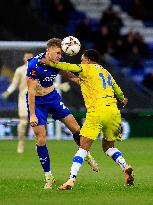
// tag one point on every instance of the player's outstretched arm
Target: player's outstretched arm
(5, 94)
(70, 76)
(67, 66)
(12, 86)
(63, 65)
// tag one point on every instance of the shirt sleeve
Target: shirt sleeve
(67, 66)
(32, 70)
(117, 90)
(15, 82)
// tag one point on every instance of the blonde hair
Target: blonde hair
(54, 42)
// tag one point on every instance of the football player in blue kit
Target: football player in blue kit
(43, 99)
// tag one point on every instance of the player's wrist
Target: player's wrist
(124, 101)
(32, 115)
(5, 94)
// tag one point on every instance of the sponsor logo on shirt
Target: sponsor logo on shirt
(49, 78)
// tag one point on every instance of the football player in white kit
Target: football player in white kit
(19, 81)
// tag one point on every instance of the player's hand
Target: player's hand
(33, 120)
(124, 102)
(5, 95)
(65, 87)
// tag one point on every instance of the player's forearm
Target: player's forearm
(76, 80)
(120, 96)
(66, 66)
(14, 83)
(11, 89)
(31, 95)
(31, 102)
(118, 92)
(73, 78)
(70, 76)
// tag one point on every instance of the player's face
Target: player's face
(54, 54)
(84, 60)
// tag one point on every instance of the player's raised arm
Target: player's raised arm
(63, 65)
(67, 66)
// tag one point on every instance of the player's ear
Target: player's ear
(89, 61)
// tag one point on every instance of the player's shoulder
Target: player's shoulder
(104, 70)
(20, 68)
(84, 68)
(98, 66)
(33, 62)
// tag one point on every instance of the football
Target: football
(70, 45)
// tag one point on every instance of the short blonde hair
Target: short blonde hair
(54, 42)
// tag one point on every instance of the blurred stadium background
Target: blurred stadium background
(122, 31)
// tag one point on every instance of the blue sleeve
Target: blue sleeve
(32, 70)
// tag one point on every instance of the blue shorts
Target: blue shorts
(49, 104)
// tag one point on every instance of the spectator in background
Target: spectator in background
(118, 49)
(84, 30)
(103, 41)
(30, 13)
(111, 19)
(131, 50)
(58, 10)
(133, 59)
(142, 9)
(148, 81)
(143, 47)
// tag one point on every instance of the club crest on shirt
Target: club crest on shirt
(33, 72)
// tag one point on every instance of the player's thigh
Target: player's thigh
(92, 126)
(71, 123)
(112, 128)
(59, 110)
(41, 112)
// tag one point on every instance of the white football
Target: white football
(70, 45)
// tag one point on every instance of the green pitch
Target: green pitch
(21, 176)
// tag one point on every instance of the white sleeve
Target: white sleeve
(15, 82)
